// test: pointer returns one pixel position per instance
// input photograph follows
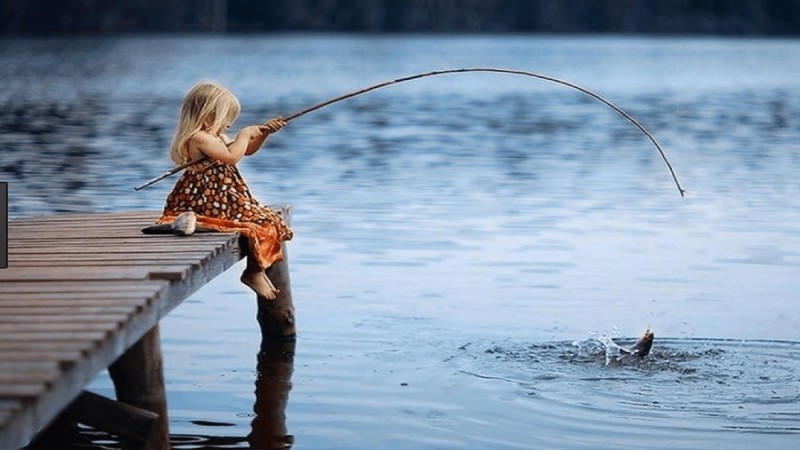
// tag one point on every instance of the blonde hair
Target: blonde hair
(206, 107)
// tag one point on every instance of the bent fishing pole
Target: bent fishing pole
(352, 94)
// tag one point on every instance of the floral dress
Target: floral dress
(218, 194)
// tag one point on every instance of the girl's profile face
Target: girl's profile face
(233, 114)
(228, 124)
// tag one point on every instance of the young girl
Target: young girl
(215, 190)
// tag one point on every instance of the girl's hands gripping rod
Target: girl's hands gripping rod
(273, 125)
(260, 133)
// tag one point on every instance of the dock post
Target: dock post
(138, 377)
(276, 317)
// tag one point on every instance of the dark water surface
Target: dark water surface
(464, 245)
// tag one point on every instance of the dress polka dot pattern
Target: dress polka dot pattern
(219, 195)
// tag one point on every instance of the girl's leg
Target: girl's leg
(256, 279)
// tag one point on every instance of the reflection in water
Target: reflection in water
(273, 383)
(268, 428)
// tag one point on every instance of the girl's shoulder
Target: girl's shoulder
(204, 139)
(199, 142)
(203, 136)
(215, 146)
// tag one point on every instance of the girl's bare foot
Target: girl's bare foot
(269, 282)
(260, 284)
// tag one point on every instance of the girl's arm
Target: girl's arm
(214, 147)
(272, 126)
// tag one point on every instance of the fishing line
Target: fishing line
(384, 84)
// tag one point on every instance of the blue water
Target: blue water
(461, 240)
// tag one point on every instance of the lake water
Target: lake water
(464, 244)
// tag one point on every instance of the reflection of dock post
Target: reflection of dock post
(276, 317)
(273, 383)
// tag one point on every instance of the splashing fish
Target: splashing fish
(642, 347)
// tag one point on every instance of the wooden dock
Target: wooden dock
(84, 293)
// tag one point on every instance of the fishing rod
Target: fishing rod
(373, 87)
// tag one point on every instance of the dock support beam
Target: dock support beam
(276, 317)
(138, 377)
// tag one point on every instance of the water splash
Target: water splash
(705, 386)
(601, 343)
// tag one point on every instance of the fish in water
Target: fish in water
(642, 347)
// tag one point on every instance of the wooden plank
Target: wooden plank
(33, 236)
(36, 302)
(73, 239)
(34, 241)
(55, 336)
(99, 228)
(189, 257)
(26, 372)
(187, 247)
(68, 289)
(37, 309)
(171, 273)
(21, 391)
(50, 236)
(98, 248)
(76, 298)
(40, 365)
(28, 377)
(43, 354)
(97, 225)
(7, 330)
(18, 260)
(110, 287)
(28, 239)
(28, 274)
(83, 218)
(12, 346)
(71, 274)
(89, 265)
(46, 236)
(33, 317)
(106, 230)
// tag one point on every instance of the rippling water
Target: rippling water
(461, 241)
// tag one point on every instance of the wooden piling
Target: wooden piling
(133, 425)
(138, 377)
(276, 317)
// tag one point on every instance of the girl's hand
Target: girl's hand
(253, 132)
(257, 134)
(273, 125)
